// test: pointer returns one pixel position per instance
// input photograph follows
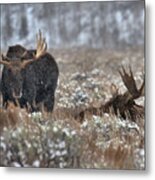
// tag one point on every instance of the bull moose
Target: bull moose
(29, 77)
(124, 104)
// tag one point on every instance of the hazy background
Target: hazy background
(65, 25)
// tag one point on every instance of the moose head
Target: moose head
(15, 67)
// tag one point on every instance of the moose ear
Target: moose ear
(26, 62)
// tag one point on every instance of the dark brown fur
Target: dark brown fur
(36, 81)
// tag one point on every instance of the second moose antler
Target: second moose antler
(41, 45)
(130, 84)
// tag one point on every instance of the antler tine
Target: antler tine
(123, 69)
(141, 90)
(122, 72)
(38, 37)
(131, 73)
(42, 43)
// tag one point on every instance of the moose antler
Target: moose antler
(41, 45)
(5, 58)
(130, 83)
(4, 63)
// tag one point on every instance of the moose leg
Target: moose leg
(49, 102)
(23, 103)
(6, 101)
(29, 99)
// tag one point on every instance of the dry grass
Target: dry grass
(58, 139)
